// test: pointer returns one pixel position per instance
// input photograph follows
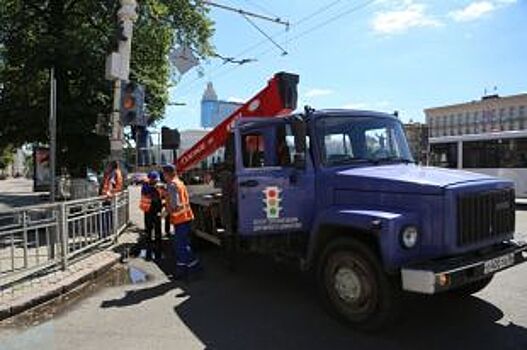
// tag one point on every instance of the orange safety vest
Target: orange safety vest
(107, 189)
(183, 212)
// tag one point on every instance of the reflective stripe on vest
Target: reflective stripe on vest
(183, 214)
(145, 203)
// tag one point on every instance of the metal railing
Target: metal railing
(38, 237)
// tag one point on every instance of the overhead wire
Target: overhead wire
(309, 30)
(190, 85)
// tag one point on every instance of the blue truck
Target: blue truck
(339, 192)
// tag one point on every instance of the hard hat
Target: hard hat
(169, 167)
(153, 175)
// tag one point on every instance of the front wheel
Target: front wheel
(354, 286)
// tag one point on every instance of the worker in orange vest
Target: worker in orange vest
(112, 182)
(151, 205)
(181, 216)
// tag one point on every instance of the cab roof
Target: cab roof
(321, 113)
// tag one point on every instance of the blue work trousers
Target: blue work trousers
(186, 261)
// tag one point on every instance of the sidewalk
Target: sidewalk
(18, 192)
(35, 291)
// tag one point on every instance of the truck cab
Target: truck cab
(338, 191)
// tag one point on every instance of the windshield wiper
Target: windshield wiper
(348, 161)
(391, 159)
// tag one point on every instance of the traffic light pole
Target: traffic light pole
(116, 138)
(126, 16)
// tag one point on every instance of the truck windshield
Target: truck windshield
(354, 139)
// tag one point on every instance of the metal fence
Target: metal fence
(37, 237)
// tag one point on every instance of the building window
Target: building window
(521, 111)
(444, 155)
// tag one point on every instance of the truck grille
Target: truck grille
(482, 216)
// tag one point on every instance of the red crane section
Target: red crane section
(278, 98)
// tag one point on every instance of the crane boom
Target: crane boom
(278, 98)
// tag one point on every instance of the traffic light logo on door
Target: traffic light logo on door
(272, 201)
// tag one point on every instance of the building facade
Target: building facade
(488, 136)
(490, 114)
(214, 111)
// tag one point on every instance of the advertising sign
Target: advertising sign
(42, 170)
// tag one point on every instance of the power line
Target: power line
(261, 8)
(284, 52)
(246, 13)
(332, 19)
(315, 13)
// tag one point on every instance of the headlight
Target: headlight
(409, 236)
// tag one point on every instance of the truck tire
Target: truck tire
(354, 287)
(471, 288)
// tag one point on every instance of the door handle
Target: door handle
(249, 183)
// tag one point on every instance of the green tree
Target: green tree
(74, 37)
(7, 156)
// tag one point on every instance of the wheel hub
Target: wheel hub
(348, 285)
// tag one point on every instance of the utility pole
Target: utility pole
(52, 133)
(126, 16)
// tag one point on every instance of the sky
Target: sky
(384, 55)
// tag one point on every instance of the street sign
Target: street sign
(170, 138)
(183, 59)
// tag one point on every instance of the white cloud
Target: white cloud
(318, 92)
(473, 11)
(410, 15)
(478, 9)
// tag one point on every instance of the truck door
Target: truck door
(275, 185)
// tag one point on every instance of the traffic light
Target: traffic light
(170, 138)
(132, 102)
(272, 202)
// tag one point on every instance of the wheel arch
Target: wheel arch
(327, 233)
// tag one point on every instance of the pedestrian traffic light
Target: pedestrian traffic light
(170, 138)
(272, 202)
(132, 102)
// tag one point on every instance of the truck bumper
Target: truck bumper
(446, 274)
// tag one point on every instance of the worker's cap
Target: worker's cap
(153, 175)
(169, 167)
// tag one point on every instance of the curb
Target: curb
(47, 293)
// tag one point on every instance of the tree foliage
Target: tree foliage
(7, 157)
(74, 37)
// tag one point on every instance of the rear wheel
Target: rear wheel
(354, 286)
(471, 288)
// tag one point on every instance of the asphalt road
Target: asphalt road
(268, 306)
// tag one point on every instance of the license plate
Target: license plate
(498, 263)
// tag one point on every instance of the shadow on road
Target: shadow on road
(266, 306)
(136, 296)
(269, 306)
